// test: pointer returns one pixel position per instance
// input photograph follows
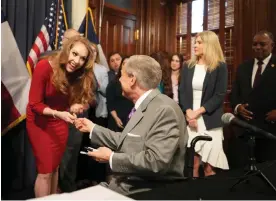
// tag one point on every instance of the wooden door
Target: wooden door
(117, 33)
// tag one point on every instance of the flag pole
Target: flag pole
(101, 18)
(57, 16)
(64, 15)
(86, 18)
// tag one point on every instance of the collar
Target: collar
(142, 98)
(265, 61)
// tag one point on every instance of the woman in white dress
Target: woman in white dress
(202, 90)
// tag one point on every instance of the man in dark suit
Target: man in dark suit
(253, 97)
(153, 144)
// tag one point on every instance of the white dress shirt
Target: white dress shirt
(255, 68)
(137, 104)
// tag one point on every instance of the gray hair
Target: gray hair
(147, 71)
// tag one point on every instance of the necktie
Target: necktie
(258, 74)
(131, 113)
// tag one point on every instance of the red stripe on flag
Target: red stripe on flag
(9, 112)
(43, 40)
(36, 50)
(31, 63)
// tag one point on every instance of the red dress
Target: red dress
(48, 136)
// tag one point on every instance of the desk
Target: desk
(92, 193)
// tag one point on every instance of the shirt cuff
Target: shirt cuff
(236, 109)
(90, 134)
(110, 160)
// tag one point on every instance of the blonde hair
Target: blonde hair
(97, 60)
(212, 52)
(79, 85)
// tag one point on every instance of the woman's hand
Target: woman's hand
(119, 122)
(194, 114)
(66, 116)
(77, 108)
(193, 124)
(190, 114)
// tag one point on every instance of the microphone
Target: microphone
(228, 118)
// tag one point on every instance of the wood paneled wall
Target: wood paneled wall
(155, 22)
(160, 27)
(157, 25)
(251, 16)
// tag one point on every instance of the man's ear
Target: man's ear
(132, 81)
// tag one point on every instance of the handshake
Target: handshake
(82, 124)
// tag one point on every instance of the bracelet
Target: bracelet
(53, 114)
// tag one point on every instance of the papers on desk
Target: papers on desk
(92, 193)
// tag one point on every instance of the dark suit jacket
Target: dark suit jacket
(214, 90)
(262, 98)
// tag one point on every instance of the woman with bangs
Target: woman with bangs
(62, 86)
(202, 90)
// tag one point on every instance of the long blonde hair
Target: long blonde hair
(212, 52)
(79, 85)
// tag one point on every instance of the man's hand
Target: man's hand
(102, 155)
(271, 116)
(246, 114)
(84, 125)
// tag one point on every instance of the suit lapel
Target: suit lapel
(248, 73)
(205, 83)
(271, 64)
(190, 83)
(138, 115)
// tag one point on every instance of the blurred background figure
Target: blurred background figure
(118, 106)
(165, 85)
(176, 63)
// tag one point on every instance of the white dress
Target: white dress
(210, 151)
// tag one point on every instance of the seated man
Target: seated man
(153, 144)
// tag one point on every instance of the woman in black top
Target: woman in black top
(118, 106)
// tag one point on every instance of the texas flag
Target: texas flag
(15, 80)
(88, 29)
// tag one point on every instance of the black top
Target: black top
(214, 90)
(111, 75)
(116, 101)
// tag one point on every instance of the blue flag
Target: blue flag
(87, 28)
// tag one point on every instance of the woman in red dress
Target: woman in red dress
(62, 84)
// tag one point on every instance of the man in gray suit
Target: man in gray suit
(152, 146)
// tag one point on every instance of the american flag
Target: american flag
(50, 35)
